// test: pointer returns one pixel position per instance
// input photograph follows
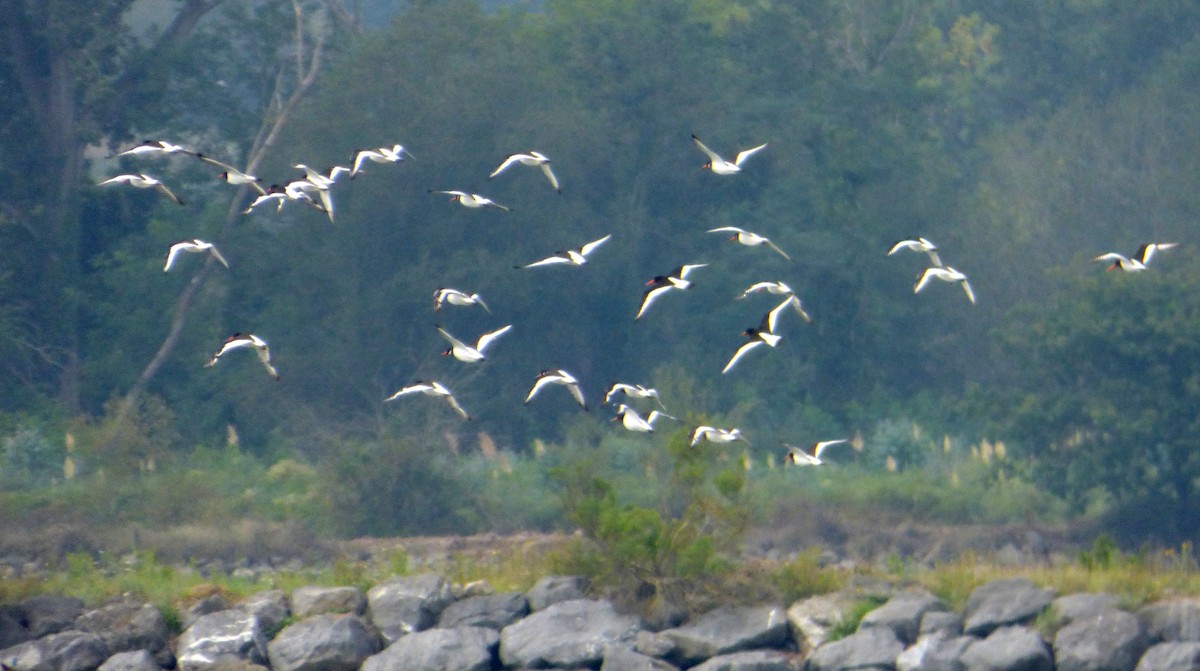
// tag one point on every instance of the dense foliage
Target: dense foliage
(1023, 137)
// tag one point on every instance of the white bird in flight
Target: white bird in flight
(472, 200)
(142, 181)
(533, 158)
(779, 289)
(196, 246)
(432, 388)
(631, 420)
(811, 456)
(240, 340)
(575, 257)
(763, 335)
(1140, 260)
(748, 238)
(719, 165)
(232, 175)
(393, 154)
(148, 147)
(561, 377)
(716, 435)
(464, 352)
(919, 245)
(456, 297)
(945, 274)
(661, 284)
(632, 391)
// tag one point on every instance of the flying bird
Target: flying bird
(919, 245)
(149, 147)
(196, 246)
(632, 391)
(455, 297)
(631, 420)
(812, 455)
(661, 284)
(471, 200)
(533, 158)
(716, 435)
(748, 238)
(1140, 260)
(945, 274)
(240, 340)
(142, 181)
(763, 335)
(432, 388)
(561, 377)
(464, 352)
(779, 289)
(575, 257)
(394, 154)
(232, 175)
(719, 165)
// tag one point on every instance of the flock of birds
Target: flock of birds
(314, 190)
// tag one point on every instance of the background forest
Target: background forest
(1025, 137)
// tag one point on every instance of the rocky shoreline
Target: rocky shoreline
(424, 623)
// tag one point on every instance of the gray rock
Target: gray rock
(1008, 649)
(128, 625)
(1171, 656)
(323, 643)
(1171, 620)
(1110, 641)
(224, 635)
(902, 614)
(64, 651)
(457, 649)
(131, 660)
(727, 630)
(213, 603)
(12, 626)
(50, 613)
(404, 605)
(935, 652)
(1067, 609)
(653, 644)
(271, 608)
(556, 589)
(749, 660)
(618, 658)
(868, 650)
(812, 618)
(1002, 603)
(494, 611)
(946, 623)
(567, 634)
(316, 600)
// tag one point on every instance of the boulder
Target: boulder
(726, 630)
(213, 603)
(404, 605)
(316, 600)
(1110, 641)
(457, 649)
(934, 652)
(1067, 609)
(64, 651)
(12, 626)
(270, 607)
(131, 660)
(1177, 620)
(223, 635)
(1008, 649)
(555, 589)
(323, 643)
(50, 613)
(1002, 603)
(1171, 656)
(749, 660)
(872, 649)
(128, 625)
(618, 658)
(494, 611)
(812, 618)
(568, 634)
(902, 614)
